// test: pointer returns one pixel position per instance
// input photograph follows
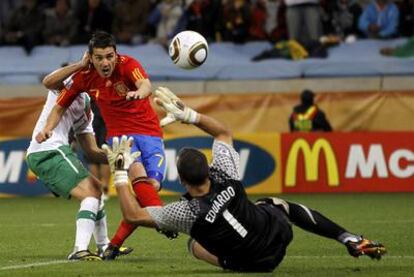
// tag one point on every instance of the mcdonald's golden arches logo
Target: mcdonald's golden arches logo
(311, 155)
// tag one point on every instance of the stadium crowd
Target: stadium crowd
(67, 22)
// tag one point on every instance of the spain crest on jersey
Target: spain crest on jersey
(121, 89)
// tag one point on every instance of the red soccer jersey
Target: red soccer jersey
(122, 117)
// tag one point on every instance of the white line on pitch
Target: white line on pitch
(35, 264)
(346, 256)
(292, 257)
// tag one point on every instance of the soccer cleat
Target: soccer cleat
(372, 249)
(84, 255)
(124, 250)
(112, 251)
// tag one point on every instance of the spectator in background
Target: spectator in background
(210, 14)
(406, 24)
(60, 24)
(5, 7)
(363, 3)
(165, 17)
(92, 15)
(153, 18)
(25, 26)
(379, 19)
(343, 18)
(268, 21)
(404, 50)
(307, 117)
(111, 3)
(304, 20)
(201, 16)
(130, 21)
(235, 21)
(192, 17)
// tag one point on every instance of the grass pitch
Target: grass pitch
(37, 234)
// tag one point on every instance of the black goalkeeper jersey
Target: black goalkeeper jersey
(225, 222)
(229, 225)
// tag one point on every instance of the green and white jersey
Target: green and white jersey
(77, 116)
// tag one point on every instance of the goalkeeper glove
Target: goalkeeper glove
(174, 107)
(120, 158)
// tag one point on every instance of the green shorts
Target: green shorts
(59, 169)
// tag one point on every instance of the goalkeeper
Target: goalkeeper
(225, 228)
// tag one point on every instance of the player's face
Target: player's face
(104, 61)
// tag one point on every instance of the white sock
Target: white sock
(100, 232)
(85, 223)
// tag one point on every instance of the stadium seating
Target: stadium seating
(226, 61)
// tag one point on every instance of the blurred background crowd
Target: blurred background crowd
(67, 22)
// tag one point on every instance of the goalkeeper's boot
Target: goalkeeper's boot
(84, 255)
(372, 249)
(113, 251)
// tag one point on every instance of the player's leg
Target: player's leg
(93, 169)
(313, 221)
(144, 187)
(146, 195)
(89, 197)
(152, 161)
(317, 223)
(100, 232)
(125, 229)
(105, 176)
(65, 176)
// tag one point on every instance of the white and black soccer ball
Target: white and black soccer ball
(188, 50)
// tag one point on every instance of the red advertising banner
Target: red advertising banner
(348, 162)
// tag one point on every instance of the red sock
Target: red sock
(146, 194)
(124, 231)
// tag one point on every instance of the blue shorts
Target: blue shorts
(152, 154)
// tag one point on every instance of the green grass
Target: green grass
(36, 230)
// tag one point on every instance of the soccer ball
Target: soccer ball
(188, 49)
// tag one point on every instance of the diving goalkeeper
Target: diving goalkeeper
(225, 228)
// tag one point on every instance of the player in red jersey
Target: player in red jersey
(121, 89)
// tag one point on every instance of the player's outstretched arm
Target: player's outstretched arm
(177, 110)
(120, 158)
(55, 79)
(215, 128)
(144, 90)
(93, 152)
(51, 123)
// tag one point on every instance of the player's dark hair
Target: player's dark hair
(192, 166)
(101, 39)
